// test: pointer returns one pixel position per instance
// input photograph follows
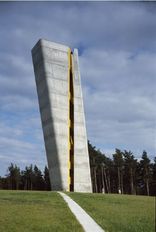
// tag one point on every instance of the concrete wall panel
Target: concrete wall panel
(82, 179)
(51, 67)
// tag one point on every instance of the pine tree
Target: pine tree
(119, 162)
(47, 179)
(130, 167)
(145, 171)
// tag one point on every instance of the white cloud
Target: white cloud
(117, 43)
(20, 144)
(119, 94)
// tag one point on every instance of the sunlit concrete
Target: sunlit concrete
(88, 224)
(51, 63)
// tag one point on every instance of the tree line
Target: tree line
(31, 178)
(122, 174)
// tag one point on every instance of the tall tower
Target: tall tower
(60, 99)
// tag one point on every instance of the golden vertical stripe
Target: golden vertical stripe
(69, 66)
(70, 124)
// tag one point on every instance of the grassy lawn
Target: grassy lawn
(119, 213)
(26, 211)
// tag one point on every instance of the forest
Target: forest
(123, 174)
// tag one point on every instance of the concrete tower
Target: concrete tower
(62, 114)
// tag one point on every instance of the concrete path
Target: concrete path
(88, 224)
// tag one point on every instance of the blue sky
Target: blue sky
(117, 44)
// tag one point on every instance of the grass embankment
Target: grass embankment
(26, 211)
(119, 213)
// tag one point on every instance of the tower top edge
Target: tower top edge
(47, 43)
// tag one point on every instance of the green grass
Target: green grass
(26, 211)
(119, 213)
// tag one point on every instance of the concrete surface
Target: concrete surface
(51, 66)
(88, 224)
(82, 177)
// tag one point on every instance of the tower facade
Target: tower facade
(59, 91)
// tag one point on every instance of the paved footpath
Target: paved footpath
(88, 224)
